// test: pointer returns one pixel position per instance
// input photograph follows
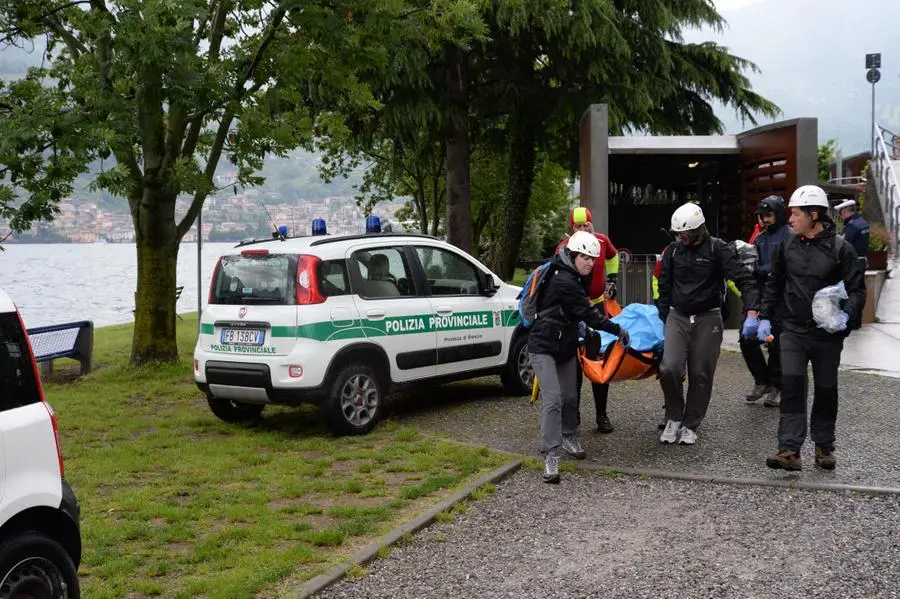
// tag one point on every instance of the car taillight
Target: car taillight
(40, 390)
(212, 283)
(307, 282)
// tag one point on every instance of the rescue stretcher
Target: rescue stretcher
(616, 363)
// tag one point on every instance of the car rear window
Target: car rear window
(18, 386)
(255, 279)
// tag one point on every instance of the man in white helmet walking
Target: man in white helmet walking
(562, 303)
(693, 270)
(803, 264)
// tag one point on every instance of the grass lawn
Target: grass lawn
(176, 503)
(519, 277)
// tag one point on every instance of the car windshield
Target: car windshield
(254, 279)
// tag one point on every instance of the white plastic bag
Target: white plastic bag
(746, 253)
(826, 307)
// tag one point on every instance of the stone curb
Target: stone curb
(370, 551)
(793, 483)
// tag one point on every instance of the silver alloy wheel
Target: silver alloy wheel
(34, 577)
(359, 399)
(523, 367)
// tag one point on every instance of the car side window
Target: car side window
(333, 279)
(448, 273)
(384, 273)
(18, 386)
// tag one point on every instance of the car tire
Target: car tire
(233, 411)
(353, 405)
(34, 565)
(518, 375)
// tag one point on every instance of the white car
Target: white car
(343, 320)
(40, 538)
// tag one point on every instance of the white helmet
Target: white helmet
(687, 218)
(582, 242)
(808, 195)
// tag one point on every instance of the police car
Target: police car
(344, 320)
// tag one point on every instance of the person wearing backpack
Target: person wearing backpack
(561, 304)
(600, 286)
(803, 264)
(693, 272)
(766, 375)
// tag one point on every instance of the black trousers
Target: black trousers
(798, 350)
(601, 395)
(764, 373)
(600, 390)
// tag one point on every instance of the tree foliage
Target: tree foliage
(160, 91)
(825, 155)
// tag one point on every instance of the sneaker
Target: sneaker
(670, 434)
(786, 460)
(551, 469)
(604, 426)
(825, 459)
(572, 447)
(757, 393)
(773, 398)
(686, 436)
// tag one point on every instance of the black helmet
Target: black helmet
(774, 204)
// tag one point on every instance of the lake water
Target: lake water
(57, 283)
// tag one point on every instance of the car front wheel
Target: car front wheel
(34, 565)
(353, 405)
(518, 376)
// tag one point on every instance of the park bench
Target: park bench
(69, 340)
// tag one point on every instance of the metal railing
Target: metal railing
(887, 182)
(635, 283)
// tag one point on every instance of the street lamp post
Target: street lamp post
(873, 75)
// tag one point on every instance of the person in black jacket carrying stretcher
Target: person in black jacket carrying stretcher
(693, 271)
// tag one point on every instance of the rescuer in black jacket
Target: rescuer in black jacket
(803, 264)
(562, 303)
(692, 276)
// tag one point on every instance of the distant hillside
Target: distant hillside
(812, 57)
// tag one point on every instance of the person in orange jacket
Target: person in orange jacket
(601, 286)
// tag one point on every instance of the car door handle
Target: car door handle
(444, 310)
(375, 313)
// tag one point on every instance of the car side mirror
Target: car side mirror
(488, 285)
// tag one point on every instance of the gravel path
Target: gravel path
(734, 440)
(595, 536)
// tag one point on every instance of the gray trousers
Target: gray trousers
(695, 340)
(559, 399)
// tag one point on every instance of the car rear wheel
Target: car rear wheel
(518, 376)
(234, 411)
(353, 405)
(34, 565)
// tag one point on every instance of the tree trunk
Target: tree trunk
(511, 224)
(157, 254)
(437, 194)
(421, 204)
(456, 136)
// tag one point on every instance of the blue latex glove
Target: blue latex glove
(751, 325)
(764, 331)
(844, 318)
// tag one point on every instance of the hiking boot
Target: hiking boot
(572, 447)
(686, 436)
(670, 434)
(785, 460)
(604, 426)
(773, 398)
(825, 459)
(551, 469)
(757, 393)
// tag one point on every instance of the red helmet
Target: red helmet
(579, 216)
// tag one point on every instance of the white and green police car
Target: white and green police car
(344, 320)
